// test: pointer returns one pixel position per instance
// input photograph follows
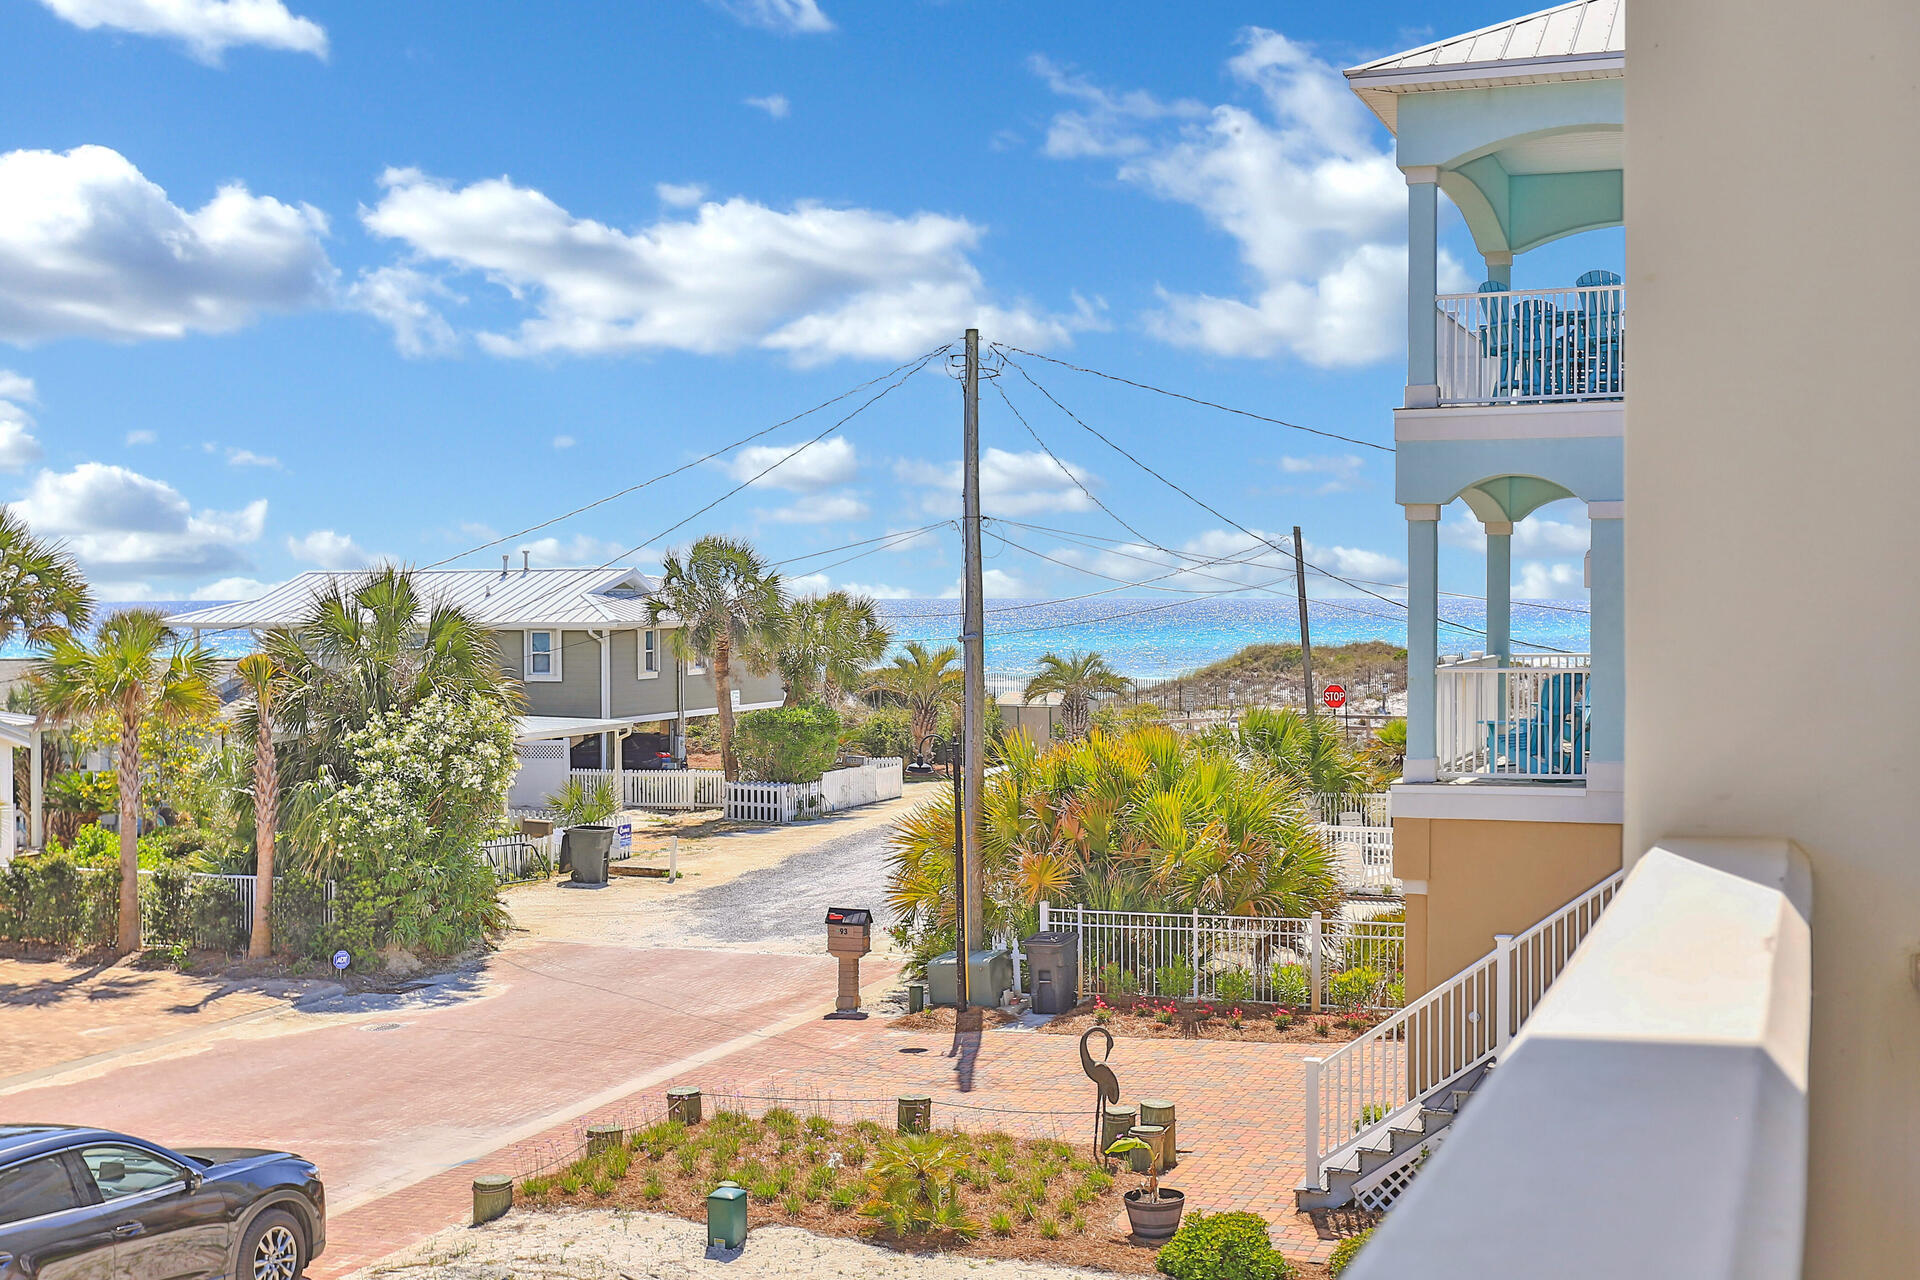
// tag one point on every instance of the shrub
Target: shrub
(912, 1189)
(1174, 979)
(166, 920)
(54, 901)
(1222, 1246)
(1345, 1252)
(1235, 985)
(1117, 980)
(886, 732)
(1290, 984)
(1357, 987)
(215, 918)
(787, 744)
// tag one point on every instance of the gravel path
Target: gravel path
(607, 1244)
(788, 902)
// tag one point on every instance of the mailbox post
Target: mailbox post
(849, 936)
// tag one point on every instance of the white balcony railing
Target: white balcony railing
(1525, 345)
(1527, 719)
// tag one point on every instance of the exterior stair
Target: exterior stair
(1415, 1127)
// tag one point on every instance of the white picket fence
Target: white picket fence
(1369, 1084)
(1353, 962)
(669, 789)
(780, 803)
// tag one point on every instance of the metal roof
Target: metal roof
(1580, 40)
(541, 728)
(497, 599)
(17, 729)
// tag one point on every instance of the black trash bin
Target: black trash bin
(1053, 970)
(586, 849)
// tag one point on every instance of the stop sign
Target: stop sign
(1335, 696)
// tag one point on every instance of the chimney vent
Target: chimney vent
(504, 558)
(526, 560)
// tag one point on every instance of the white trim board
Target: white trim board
(1494, 802)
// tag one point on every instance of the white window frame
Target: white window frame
(649, 646)
(695, 667)
(553, 649)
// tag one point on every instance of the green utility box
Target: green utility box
(988, 974)
(727, 1216)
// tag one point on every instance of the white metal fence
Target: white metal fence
(516, 858)
(1364, 856)
(1368, 808)
(1526, 719)
(1519, 345)
(1349, 963)
(239, 890)
(1370, 1083)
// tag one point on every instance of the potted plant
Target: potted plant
(1153, 1212)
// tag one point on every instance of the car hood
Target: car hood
(234, 1155)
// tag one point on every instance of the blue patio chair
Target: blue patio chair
(1536, 340)
(1598, 339)
(1496, 330)
(1553, 741)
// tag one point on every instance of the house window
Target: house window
(696, 666)
(649, 654)
(543, 655)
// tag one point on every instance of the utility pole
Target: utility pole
(1306, 637)
(973, 649)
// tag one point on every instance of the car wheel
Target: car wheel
(275, 1248)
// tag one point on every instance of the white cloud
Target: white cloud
(876, 590)
(812, 281)
(1315, 203)
(807, 584)
(1011, 484)
(994, 584)
(788, 17)
(832, 461)
(819, 508)
(1543, 581)
(248, 458)
(90, 247)
(19, 447)
(774, 104)
(402, 298)
(1223, 558)
(141, 437)
(1539, 536)
(207, 27)
(1341, 472)
(581, 549)
(680, 195)
(326, 549)
(564, 442)
(116, 520)
(232, 589)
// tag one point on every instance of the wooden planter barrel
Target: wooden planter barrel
(1116, 1121)
(492, 1197)
(683, 1104)
(1159, 1111)
(604, 1137)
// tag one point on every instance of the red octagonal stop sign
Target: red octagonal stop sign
(1335, 696)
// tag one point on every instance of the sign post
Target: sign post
(1336, 699)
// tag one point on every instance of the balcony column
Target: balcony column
(1607, 600)
(1423, 282)
(1423, 638)
(1500, 268)
(1500, 589)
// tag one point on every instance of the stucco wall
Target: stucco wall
(1773, 448)
(1485, 878)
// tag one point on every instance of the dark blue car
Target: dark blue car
(89, 1204)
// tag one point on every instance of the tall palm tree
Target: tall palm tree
(729, 605)
(926, 680)
(1078, 678)
(135, 668)
(373, 644)
(825, 644)
(1315, 757)
(41, 588)
(265, 679)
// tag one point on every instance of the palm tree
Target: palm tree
(265, 679)
(373, 644)
(825, 645)
(926, 681)
(1314, 756)
(1078, 678)
(41, 588)
(729, 604)
(136, 667)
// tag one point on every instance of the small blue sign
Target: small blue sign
(623, 835)
(341, 960)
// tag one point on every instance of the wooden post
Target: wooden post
(914, 1113)
(604, 1137)
(1158, 1112)
(492, 1197)
(1116, 1121)
(683, 1104)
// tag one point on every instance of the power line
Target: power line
(668, 475)
(1003, 348)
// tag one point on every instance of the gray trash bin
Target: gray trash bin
(586, 849)
(990, 973)
(1053, 970)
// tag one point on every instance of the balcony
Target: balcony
(1530, 346)
(1518, 719)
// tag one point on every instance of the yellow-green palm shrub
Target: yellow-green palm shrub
(1145, 820)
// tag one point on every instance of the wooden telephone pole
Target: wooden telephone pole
(1306, 637)
(974, 656)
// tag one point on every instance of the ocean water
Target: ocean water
(1151, 638)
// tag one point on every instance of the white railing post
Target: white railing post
(1502, 991)
(1080, 945)
(1194, 957)
(1313, 961)
(1312, 1125)
(1043, 915)
(673, 858)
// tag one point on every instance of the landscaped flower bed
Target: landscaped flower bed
(988, 1195)
(1209, 1020)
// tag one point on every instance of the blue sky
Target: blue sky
(300, 284)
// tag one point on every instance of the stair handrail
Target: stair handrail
(1366, 1085)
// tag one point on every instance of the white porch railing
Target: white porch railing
(1522, 345)
(1526, 720)
(1370, 1083)
(1368, 808)
(1353, 963)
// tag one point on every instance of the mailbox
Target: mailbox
(849, 931)
(849, 936)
